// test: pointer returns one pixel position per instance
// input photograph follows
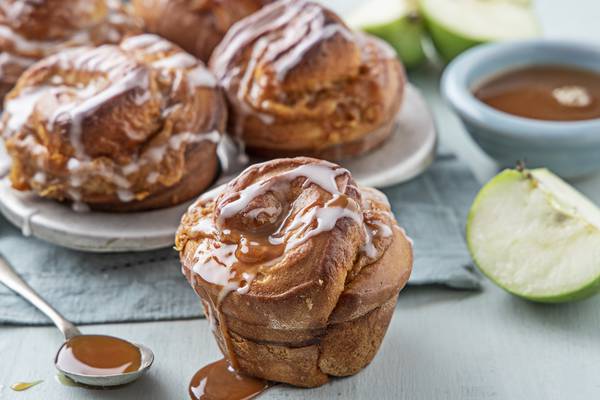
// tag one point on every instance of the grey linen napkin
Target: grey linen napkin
(100, 288)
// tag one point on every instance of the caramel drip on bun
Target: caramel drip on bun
(248, 226)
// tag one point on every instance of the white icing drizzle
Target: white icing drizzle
(199, 76)
(326, 218)
(152, 43)
(8, 60)
(379, 229)
(80, 207)
(26, 228)
(261, 23)
(125, 196)
(268, 211)
(19, 109)
(374, 227)
(39, 177)
(196, 73)
(119, 177)
(279, 36)
(216, 262)
(322, 175)
(42, 48)
(16, 9)
(152, 177)
(94, 96)
(115, 73)
(177, 60)
(21, 10)
(215, 258)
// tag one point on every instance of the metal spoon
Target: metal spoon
(12, 280)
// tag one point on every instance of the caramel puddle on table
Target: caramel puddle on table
(98, 355)
(22, 386)
(219, 381)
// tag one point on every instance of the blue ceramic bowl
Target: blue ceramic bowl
(569, 149)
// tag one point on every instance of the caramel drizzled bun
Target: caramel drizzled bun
(300, 82)
(197, 26)
(122, 128)
(298, 269)
(33, 29)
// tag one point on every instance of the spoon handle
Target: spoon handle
(12, 280)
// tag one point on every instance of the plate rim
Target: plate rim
(40, 228)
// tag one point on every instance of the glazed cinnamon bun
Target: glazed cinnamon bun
(298, 269)
(195, 25)
(300, 82)
(121, 128)
(33, 29)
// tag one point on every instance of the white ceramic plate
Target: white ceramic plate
(406, 154)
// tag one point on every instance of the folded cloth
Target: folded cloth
(100, 288)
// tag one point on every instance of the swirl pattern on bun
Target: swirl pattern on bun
(298, 269)
(196, 26)
(33, 29)
(300, 82)
(126, 127)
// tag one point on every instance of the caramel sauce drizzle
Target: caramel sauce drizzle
(231, 257)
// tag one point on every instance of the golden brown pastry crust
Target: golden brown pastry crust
(319, 305)
(121, 128)
(195, 25)
(33, 29)
(300, 82)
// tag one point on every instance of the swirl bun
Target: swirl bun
(298, 268)
(33, 29)
(126, 127)
(300, 82)
(197, 26)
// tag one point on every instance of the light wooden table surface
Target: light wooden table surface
(441, 344)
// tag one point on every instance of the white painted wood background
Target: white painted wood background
(441, 344)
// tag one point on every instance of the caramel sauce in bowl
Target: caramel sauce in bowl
(547, 92)
(99, 360)
(532, 100)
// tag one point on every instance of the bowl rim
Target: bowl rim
(457, 82)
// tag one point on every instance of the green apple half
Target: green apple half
(536, 236)
(395, 21)
(456, 25)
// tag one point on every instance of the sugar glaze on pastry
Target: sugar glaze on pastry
(300, 82)
(34, 29)
(228, 265)
(114, 124)
(291, 256)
